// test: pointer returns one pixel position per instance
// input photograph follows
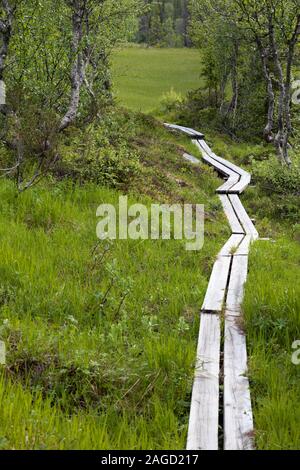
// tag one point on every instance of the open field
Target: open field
(141, 76)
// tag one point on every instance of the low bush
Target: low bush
(101, 153)
(171, 101)
(109, 166)
(275, 178)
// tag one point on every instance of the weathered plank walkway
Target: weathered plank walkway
(223, 298)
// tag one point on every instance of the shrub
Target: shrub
(103, 152)
(109, 166)
(275, 178)
(171, 101)
(296, 232)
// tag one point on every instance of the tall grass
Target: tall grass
(272, 314)
(272, 301)
(142, 76)
(100, 337)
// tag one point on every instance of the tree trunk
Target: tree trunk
(264, 54)
(223, 85)
(288, 88)
(281, 133)
(78, 68)
(5, 34)
(284, 116)
(234, 83)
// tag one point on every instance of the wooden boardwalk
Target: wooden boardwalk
(223, 300)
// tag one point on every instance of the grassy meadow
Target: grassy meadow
(272, 306)
(143, 75)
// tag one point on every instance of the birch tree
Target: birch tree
(55, 61)
(7, 12)
(275, 28)
(268, 29)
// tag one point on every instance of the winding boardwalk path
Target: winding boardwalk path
(221, 363)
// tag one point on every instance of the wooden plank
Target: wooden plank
(204, 413)
(233, 242)
(218, 166)
(241, 185)
(179, 129)
(245, 177)
(243, 216)
(241, 182)
(238, 419)
(221, 169)
(215, 294)
(191, 158)
(238, 277)
(221, 160)
(185, 130)
(197, 134)
(233, 177)
(208, 150)
(244, 248)
(227, 187)
(230, 214)
(230, 165)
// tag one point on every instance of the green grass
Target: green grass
(272, 314)
(101, 339)
(142, 76)
(272, 297)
